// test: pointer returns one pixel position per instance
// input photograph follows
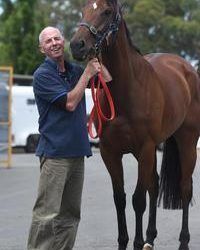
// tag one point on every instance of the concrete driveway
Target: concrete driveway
(98, 227)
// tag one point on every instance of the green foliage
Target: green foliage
(166, 26)
(144, 23)
(155, 26)
(18, 36)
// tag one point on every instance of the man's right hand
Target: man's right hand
(93, 67)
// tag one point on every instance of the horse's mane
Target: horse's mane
(121, 6)
(129, 39)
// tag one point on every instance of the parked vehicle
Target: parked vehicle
(24, 118)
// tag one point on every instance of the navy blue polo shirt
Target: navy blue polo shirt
(63, 133)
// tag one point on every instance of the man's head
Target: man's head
(51, 43)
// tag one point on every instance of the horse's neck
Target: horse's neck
(124, 61)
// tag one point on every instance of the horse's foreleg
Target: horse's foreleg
(151, 232)
(120, 204)
(147, 180)
(114, 166)
(139, 205)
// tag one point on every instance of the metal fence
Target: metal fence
(6, 78)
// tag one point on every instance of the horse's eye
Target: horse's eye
(107, 12)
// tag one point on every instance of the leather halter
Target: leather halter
(100, 36)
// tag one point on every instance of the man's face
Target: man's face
(52, 43)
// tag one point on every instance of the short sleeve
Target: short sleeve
(48, 86)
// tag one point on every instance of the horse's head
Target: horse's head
(100, 22)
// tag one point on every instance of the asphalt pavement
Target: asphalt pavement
(98, 227)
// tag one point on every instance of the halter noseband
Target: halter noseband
(100, 36)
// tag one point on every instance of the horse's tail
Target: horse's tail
(170, 174)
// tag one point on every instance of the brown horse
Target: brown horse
(157, 98)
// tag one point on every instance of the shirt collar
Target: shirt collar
(53, 63)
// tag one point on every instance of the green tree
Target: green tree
(155, 26)
(18, 35)
(21, 22)
(166, 26)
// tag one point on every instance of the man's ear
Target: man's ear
(41, 49)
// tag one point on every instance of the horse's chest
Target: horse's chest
(120, 134)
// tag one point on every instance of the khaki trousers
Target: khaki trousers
(56, 213)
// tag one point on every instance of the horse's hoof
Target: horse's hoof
(183, 247)
(147, 246)
(138, 245)
(121, 247)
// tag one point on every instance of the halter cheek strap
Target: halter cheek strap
(100, 36)
(91, 28)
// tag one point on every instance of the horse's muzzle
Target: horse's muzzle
(80, 50)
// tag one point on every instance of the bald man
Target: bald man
(59, 88)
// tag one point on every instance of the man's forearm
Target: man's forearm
(75, 95)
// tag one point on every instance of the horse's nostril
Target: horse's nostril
(81, 44)
(77, 45)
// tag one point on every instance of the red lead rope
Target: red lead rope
(97, 107)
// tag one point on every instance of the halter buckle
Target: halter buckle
(93, 30)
